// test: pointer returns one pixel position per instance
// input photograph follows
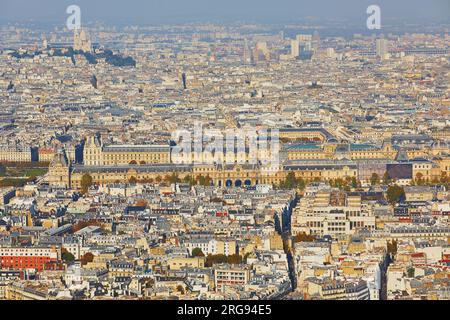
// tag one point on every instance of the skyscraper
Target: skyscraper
(295, 48)
(247, 55)
(382, 48)
(305, 44)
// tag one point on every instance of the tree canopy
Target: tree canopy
(86, 258)
(303, 237)
(86, 182)
(173, 178)
(132, 180)
(204, 181)
(67, 256)
(291, 182)
(221, 258)
(197, 252)
(374, 179)
(395, 194)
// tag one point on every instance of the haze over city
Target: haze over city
(197, 151)
(182, 11)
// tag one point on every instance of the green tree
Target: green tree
(303, 237)
(132, 180)
(86, 182)
(67, 256)
(201, 180)
(374, 179)
(332, 183)
(147, 180)
(392, 247)
(301, 184)
(2, 170)
(180, 289)
(215, 259)
(173, 178)
(189, 179)
(234, 259)
(204, 181)
(419, 179)
(339, 183)
(355, 183)
(386, 178)
(290, 182)
(394, 194)
(197, 252)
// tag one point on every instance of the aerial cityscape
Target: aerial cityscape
(224, 159)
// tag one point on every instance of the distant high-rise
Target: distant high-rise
(247, 55)
(382, 48)
(305, 44)
(330, 53)
(44, 43)
(295, 48)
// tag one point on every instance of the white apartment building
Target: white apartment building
(322, 214)
(212, 246)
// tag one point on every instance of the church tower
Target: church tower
(81, 41)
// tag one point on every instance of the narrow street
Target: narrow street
(383, 291)
(286, 234)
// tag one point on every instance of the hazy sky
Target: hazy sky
(161, 11)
